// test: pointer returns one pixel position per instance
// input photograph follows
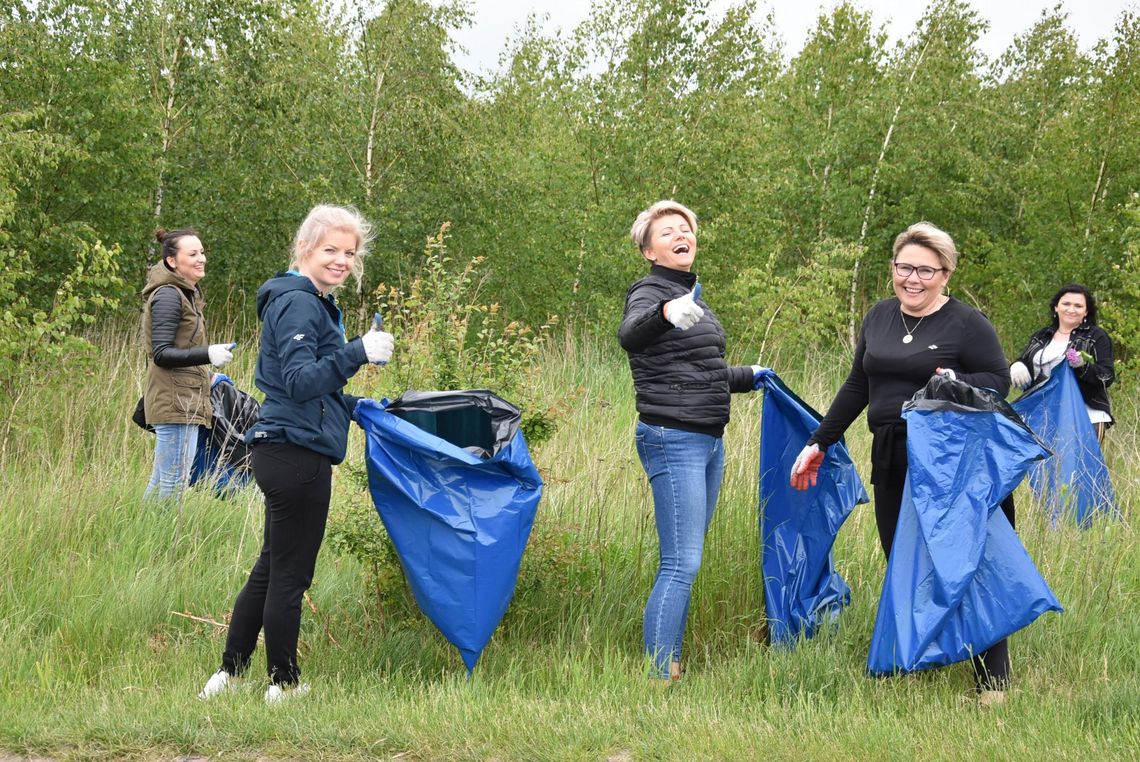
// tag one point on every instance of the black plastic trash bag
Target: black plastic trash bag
(454, 484)
(223, 456)
(958, 578)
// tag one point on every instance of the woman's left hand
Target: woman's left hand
(946, 373)
(220, 354)
(1076, 359)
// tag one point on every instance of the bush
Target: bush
(34, 339)
(445, 340)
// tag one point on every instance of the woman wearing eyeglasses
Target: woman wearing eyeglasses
(903, 342)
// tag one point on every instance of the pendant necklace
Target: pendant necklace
(909, 338)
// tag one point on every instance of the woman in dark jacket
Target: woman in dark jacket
(1074, 337)
(302, 368)
(904, 340)
(177, 397)
(682, 383)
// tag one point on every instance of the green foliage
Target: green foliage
(104, 655)
(37, 333)
(449, 339)
(795, 312)
(237, 119)
(1119, 303)
(560, 571)
(355, 530)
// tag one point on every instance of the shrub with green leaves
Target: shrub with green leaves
(445, 340)
(799, 309)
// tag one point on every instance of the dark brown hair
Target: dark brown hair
(1074, 288)
(169, 240)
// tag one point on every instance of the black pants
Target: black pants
(888, 473)
(297, 484)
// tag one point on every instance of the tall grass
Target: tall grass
(112, 611)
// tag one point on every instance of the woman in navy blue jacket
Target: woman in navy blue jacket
(302, 368)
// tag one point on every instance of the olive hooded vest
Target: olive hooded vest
(182, 394)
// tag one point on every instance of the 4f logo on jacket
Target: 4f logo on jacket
(298, 337)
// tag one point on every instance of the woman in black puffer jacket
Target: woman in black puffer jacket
(1074, 337)
(682, 382)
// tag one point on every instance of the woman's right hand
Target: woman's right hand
(806, 467)
(1019, 375)
(684, 312)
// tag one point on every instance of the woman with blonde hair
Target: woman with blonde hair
(676, 349)
(904, 341)
(302, 368)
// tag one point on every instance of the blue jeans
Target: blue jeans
(685, 471)
(174, 447)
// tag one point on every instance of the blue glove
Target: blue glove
(759, 373)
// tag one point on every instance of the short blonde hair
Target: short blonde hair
(324, 218)
(929, 237)
(639, 233)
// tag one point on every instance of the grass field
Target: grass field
(107, 604)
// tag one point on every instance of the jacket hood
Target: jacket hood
(282, 283)
(160, 275)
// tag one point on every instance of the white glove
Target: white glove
(683, 311)
(378, 346)
(947, 373)
(805, 471)
(220, 354)
(1019, 375)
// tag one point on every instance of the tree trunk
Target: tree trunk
(854, 290)
(170, 111)
(369, 181)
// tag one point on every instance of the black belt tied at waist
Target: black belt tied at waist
(888, 451)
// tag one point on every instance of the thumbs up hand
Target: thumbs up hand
(684, 312)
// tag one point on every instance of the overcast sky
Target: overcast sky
(496, 20)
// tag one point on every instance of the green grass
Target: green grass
(99, 662)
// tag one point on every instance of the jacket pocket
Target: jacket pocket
(691, 386)
(187, 378)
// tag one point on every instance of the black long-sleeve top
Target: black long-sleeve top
(886, 372)
(166, 315)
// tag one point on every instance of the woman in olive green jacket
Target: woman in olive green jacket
(177, 398)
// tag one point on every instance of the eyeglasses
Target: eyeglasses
(903, 270)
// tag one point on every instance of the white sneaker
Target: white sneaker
(275, 694)
(219, 682)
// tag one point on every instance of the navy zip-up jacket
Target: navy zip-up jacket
(302, 367)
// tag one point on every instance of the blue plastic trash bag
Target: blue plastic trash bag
(958, 578)
(222, 455)
(801, 587)
(1075, 481)
(457, 492)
